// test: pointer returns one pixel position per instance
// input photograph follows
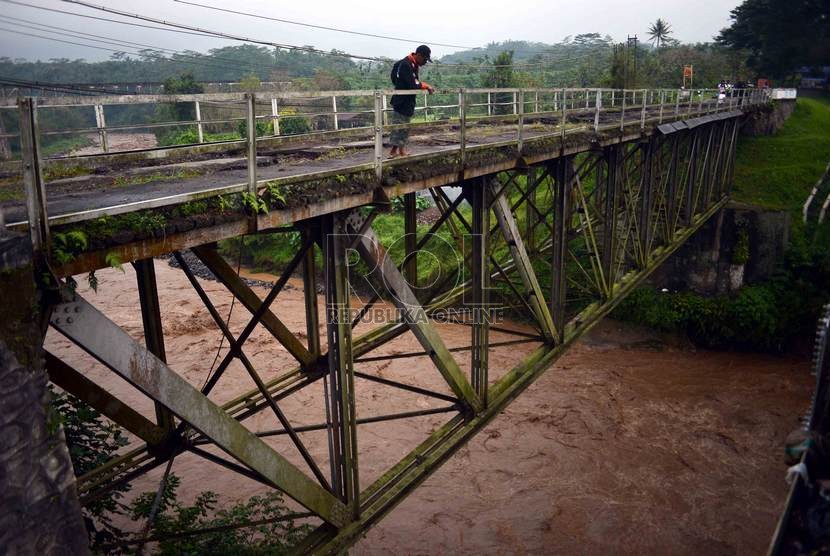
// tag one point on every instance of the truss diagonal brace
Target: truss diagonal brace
(510, 230)
(384, 269)
(73, 382)
(251, 301)
(95, 333)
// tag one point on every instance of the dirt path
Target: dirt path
(627, 444)
(118, 142)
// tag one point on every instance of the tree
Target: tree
(185, 83)
(501, 76)
(659, 32)
(780, 36)
(250, 83)
(616, 77)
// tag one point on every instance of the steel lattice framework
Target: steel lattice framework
(563, 239)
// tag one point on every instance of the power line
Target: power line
(258, 16)
(224, 35)
(87, 16)
(117, 42)
(180, 28)
(157, 57)
(251, 40)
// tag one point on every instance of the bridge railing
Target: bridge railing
(221, 117)
(459, 120)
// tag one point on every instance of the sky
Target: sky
(462, 23)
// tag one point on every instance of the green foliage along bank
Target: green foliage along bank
(778, 171)
(772, 172)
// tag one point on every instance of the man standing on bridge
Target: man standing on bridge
(405, 77)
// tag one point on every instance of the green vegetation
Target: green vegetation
(271, 252)
(779, 37)
(63, 145)
(12, 193)
(144, 222)
(190, 136)
(156, 177)
(770, 316)
(93, 440)
(253, 204)
(778, 171)
(421, 203)
(276, 536)
(66, 246)
(62, 172)
(772, 172)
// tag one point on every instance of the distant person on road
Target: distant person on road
(405, 77)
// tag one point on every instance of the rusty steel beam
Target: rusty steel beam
(83, 324)
(227, 275)
(477, 194)
(67, 378)
(385, 271)
(148, 299)
(510, 231)
(340, 409)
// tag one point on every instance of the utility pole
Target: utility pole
(631, 42)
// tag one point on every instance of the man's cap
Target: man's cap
(424, 51)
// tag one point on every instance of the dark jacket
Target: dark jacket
(405, 77)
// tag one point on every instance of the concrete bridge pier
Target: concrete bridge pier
(39, 509)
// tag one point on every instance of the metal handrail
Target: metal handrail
(633, 107)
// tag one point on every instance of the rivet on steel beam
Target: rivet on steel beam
(69, 320)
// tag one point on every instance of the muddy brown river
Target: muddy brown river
(630, 443)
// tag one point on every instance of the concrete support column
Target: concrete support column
(39, 509)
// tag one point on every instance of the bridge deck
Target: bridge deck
(319, 173)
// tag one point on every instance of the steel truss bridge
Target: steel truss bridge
(569, 200)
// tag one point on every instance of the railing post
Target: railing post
(385, 116)
(612, 97)
(536, 102)
(598, 108)
(700, 104)
(33, 175)
(587, 98)
(676, 103)
(334, 112)
(564, 115)
(462, 117)
(555, 101)
(379, 113)
(520, 130)
(251, 125)
(426, 106)
(662, 101)
(489, 105)
(643, 113)
(622, 112)
(275, 114)
(515, 108)
(102, 126)
(199, 129)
